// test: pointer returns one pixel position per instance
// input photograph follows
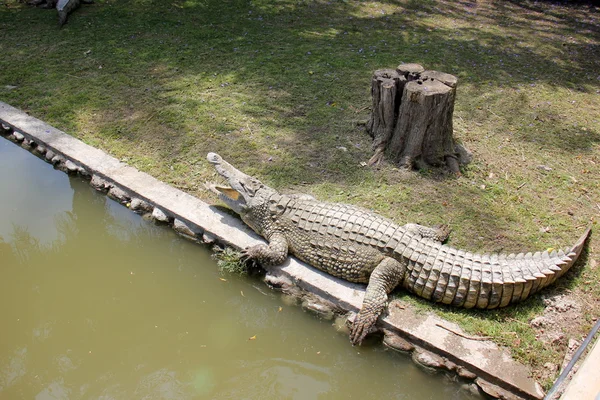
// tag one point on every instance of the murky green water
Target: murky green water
(96, 303)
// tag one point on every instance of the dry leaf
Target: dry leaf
(280, 309)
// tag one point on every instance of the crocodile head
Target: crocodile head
(245, 195)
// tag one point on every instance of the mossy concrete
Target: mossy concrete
(496, 371)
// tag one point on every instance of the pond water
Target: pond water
(97, 303)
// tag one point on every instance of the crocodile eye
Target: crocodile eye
(256, 184)
(248, 187)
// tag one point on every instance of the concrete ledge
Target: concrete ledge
(496, 372)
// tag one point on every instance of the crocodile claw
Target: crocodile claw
(361, 327)
(246, 257)
(251, 254)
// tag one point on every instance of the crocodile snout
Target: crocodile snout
(214, 158)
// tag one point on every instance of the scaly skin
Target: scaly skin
(360, 246)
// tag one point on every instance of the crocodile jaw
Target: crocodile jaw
(245, 195)
(229, 196)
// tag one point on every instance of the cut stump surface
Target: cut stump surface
(411, 118)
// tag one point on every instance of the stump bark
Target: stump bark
(411, 118)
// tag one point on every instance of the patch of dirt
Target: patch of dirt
(555, 328)
(561, 313)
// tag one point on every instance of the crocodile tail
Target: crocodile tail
(450, 276)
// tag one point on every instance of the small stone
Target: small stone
(556, 338)
(41, 150)
(26, 144)
(572, 347)
(322, 310)
(5, 129)
(428, 359)
(395, 342)
(18, 136)
(208, 238)
(99, 183)
(544, 168)
(50, 155)
(465, 373)
(57, 160)
(539, 322)
(159, 215)
(449, 365)
(140, 205)
(83, 172)
(119, 195)
(278, 282)
(71, 167)
(183, 228)
(495, 391)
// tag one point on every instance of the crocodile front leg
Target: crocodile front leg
(384, 278)
(269, 256)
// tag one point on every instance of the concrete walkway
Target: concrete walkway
(491, 367)
(585, 384)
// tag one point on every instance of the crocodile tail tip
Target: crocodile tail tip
(578, 246)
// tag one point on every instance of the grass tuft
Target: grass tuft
(228, 261)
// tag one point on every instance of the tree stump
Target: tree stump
(411, 118)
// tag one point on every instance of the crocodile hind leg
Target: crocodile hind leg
(384, 278)
(273, 254)
(438, 233)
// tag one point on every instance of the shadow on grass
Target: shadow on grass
(262, 81)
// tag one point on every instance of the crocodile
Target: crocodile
(360, 246)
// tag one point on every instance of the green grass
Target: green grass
(228, 261)
(274, 87)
